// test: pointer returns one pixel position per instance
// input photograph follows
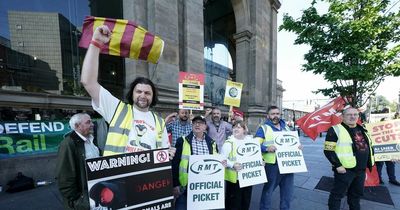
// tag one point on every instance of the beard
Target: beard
(142, 103)
(183, 119)
(275, 120)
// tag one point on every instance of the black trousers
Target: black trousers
(351, 182)
(237, 198)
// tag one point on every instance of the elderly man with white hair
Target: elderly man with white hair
(70, 170)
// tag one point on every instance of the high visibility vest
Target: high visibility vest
(344, 148)
(231, 173)
(184, 164)
(120, 126)
(269, 157)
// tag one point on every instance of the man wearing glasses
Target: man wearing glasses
(348, 149)
(196, 143)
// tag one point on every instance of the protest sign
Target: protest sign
(206, 182)
(191, 91)
(288, 155)
(233, 92)
(385, 139)
(31, 137)
(249, 156)
(140, 180)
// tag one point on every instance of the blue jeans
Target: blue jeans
(181, 202)
(389, 169)
(285, 182)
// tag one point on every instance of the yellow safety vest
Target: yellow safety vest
(120, 126)
(184, 164)
(269, 157)
(231, 173)
(344, 148)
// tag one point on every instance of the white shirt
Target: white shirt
(227, 148)
(91, 151)
(143, 126)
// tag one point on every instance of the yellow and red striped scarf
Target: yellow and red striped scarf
(127, 39)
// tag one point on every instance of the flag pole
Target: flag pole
(230, 113)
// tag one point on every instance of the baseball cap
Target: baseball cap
(198, 117)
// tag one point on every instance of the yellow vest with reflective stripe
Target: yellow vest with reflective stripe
(269, 157)
(344, 148)
(120, 126)
(231, 173)
(184, 164)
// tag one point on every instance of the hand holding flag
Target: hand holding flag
(102, 35)
(121, 38)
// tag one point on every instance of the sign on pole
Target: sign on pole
(233, 92)
(248, 154)
(385, 139)
(140, 180)
(288, 155)
(191, 91)
(206, 182)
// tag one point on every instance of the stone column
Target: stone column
(192, 36)
(275, 5)
(161, 19)
(242, 67)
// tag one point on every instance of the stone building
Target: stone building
(246, 28)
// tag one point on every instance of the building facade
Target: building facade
(47, 40)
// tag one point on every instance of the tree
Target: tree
(379, 103)
(355, 45)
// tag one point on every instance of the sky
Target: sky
(299, 85)
(73, 10)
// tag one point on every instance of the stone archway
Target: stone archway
(219, 27)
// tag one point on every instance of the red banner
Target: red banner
(322, 119)
(237, 112)
(371, 177)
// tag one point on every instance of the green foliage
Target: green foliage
(355, 45)
(379, 103)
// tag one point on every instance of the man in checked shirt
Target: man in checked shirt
(196, 143)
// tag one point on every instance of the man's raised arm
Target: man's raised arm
(90, 67)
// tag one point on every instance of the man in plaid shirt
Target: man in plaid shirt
(179, 127)
(196, 143)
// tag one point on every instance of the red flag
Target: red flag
(371, 177)
(237, 112)
(127, 40)
(322, 119)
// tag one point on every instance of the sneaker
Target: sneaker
(395, 182)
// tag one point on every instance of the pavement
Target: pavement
(305, 196)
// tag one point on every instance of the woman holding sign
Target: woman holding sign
(236, 197)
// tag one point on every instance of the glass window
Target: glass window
(39, 51)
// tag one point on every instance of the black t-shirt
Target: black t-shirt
(361, 147)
